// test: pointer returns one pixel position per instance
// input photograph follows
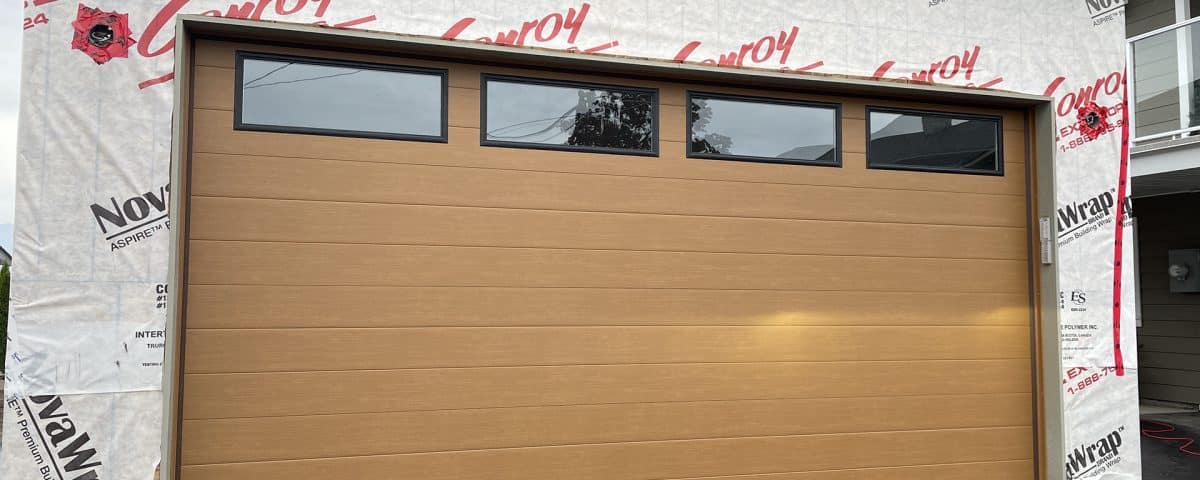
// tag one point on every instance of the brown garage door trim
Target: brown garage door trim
(1040, 196)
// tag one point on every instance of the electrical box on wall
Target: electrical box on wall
(1183, 266)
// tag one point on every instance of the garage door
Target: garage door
(419, 269)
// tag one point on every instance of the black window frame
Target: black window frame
(483, 104)
(239, 70)
(999, 172)
(837, 129)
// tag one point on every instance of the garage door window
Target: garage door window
(529, 113)
(763, 130)
(935, 142)
(327, 97)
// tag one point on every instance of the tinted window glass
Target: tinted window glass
(569, 116)
(313, 96)
(765, 130)
(934, 142)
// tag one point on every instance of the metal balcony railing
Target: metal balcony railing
(1165, 82)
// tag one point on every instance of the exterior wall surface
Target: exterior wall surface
(1169, 339)
(92, 231)
(472, 309)
(1146, 15)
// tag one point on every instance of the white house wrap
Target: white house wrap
(89, 286)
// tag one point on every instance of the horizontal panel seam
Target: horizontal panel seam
(1145, 350)
(1193, 354)
(461, 367)
(613, 212)
(863, 396)
(362, 285)
(1171, 385)
(608, 366)
(1024, 326)
(664, 440)
(638, 326)
(501, 247)
(1189, 387)
(618, 404)
(856, 469)
(698, 289)
(596, 249)
(678, 439)
(1192, 386)
(860, 469)
(629, 212)
(1144, 368)
(711, 439)
(602, 174)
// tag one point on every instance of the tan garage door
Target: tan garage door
(382, 308)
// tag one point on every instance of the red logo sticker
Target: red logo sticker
(1093, 120)
(102, 35)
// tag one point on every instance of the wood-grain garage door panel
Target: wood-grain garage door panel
(268, 263)
(993, 470)
(288, 438)
(256, 306)
(214, 134)
(671, 459)
(219, 218)
(310, 179)
(290, 350)
(307, 393)
(531, 314)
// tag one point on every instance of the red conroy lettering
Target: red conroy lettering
(949, 68)
(545, 29)
(281, 7)
(1110, 84)
(765, 49)
(247, 10)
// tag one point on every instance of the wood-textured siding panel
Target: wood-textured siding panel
(1172, 314)
(270, 263)
(215, 134)
(220, 218)
(311, 179)
(308, 393)
(671, 459)
(278, 350)
(214, 88)
(992, 470)
(287, 438)
(1167, 360)
(252, 306)
(1168, 392)
(1169, 338)
(1169, 344)
(1170, 328)
(1169, 376)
